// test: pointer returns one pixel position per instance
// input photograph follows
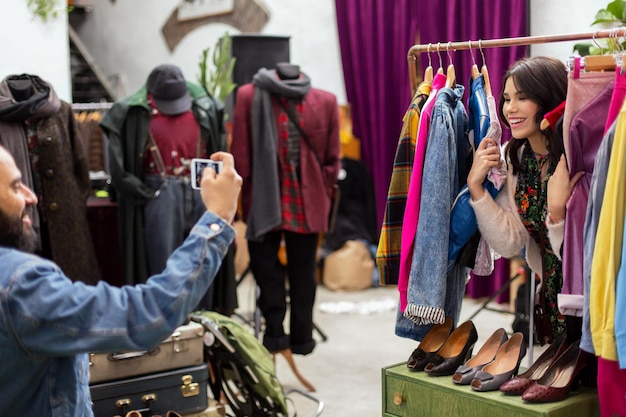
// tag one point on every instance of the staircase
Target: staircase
(89, 84)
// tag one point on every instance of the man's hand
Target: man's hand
(220, 192)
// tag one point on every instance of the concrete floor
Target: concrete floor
(346, 369)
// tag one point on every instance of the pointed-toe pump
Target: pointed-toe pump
(455, 351)
(562, 376)
(503, 367)
(518, 384)
(430, 344)
(465, 373)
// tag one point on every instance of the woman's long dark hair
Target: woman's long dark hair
(543, 80)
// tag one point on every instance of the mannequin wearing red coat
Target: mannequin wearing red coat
(286, 193)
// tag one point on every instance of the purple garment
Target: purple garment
(580, 91)
(586, 133)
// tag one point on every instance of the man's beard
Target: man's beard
(13, 234)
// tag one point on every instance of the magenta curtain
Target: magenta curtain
(375, 36)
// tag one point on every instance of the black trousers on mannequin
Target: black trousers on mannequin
(277, 282)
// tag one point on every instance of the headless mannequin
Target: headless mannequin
(287, 71)
(21, 89)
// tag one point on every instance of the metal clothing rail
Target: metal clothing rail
(495, 43)
(92, 106)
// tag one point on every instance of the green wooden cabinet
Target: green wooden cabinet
(415, 394)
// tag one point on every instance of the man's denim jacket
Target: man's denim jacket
(48, 324)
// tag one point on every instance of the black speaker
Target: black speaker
(255, 51)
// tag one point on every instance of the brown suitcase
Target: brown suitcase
(182, 349)
(182, 390)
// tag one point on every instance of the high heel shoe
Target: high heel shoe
(518, 384)
(503, 367)
(465, 373)
(562, 375)
(455, 351)
(430, 344)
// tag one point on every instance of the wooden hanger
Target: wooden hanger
(484, 71)
(428, 72)
(599, 63)
(450, 72)
(440, 69)
(475, 71)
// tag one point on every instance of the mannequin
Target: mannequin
(175, 121)
(41, 133)
(275, 161)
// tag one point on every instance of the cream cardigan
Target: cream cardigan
(502, 228)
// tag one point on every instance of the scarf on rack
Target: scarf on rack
(265, 211)
(43, 102)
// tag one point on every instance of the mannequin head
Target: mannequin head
(287, 71)
(21, 88)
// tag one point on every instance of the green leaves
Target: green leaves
(44, 9)
(218, 82)
(613, 15)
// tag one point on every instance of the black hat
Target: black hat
(169, 90)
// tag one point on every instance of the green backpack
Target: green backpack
(267, 391)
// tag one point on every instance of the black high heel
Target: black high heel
(455, 351)
(430, 344)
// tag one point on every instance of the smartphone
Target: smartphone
(197, 167)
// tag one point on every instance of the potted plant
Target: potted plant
(218, 80)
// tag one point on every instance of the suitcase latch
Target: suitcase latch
(189, 388)
(178, 344)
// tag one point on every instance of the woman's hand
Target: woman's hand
(486, 157)
(560, 187)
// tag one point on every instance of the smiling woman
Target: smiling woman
(538, 181)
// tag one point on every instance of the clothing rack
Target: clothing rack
(495, 43)
(91, 106)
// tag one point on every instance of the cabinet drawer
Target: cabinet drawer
(415, 394)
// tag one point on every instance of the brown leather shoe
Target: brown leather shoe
(456, 351)
(559, 378)
(503, 367)
(465, 373)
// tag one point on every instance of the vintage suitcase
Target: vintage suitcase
(182, 349)
(182, 390)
